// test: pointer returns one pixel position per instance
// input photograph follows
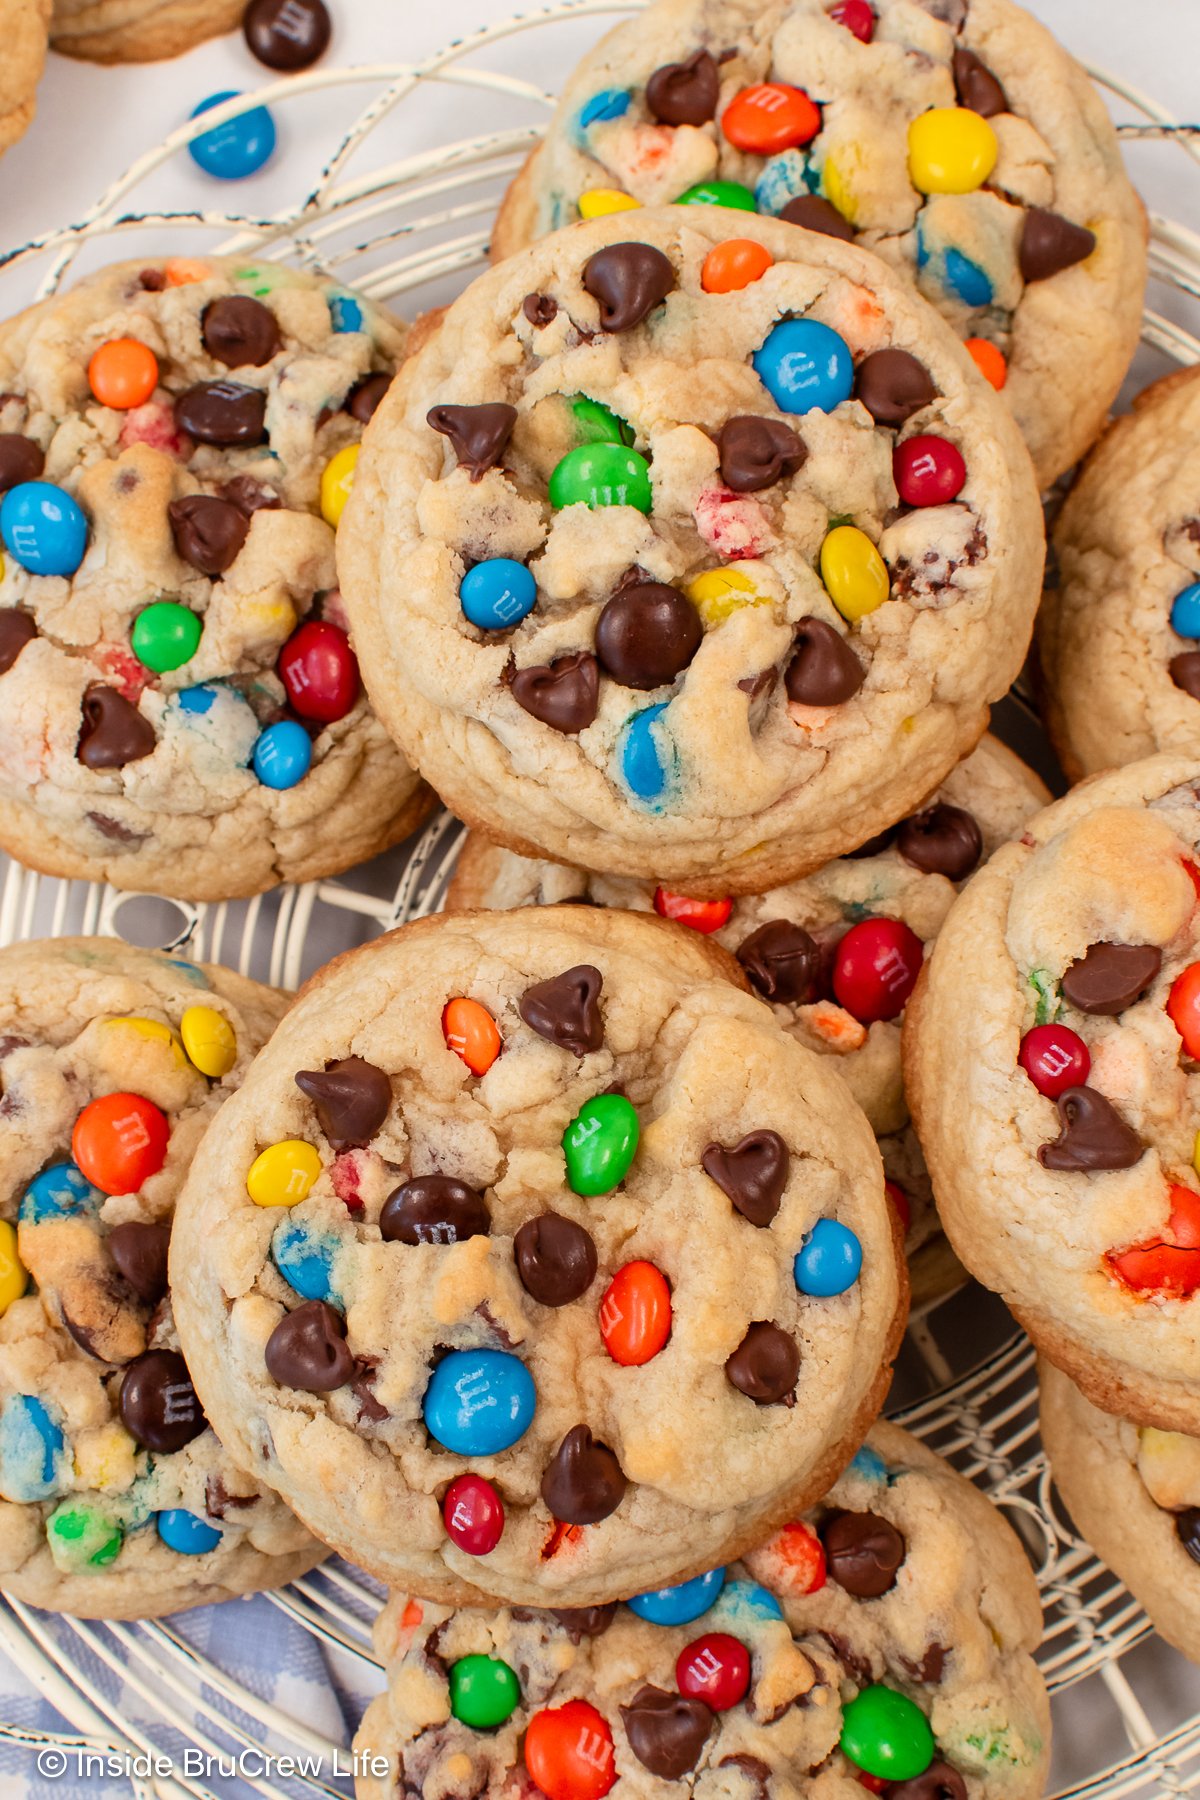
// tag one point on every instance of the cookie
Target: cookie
(1118, 630)
(800, 948)
(889, 1630)
(119, 31)
(116, 1500)
(958, 141)
(1049, 1059)
(535, 1262)
(650, 579)
(23, 25)
(180, 706)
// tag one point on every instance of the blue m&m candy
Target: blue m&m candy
(680, 1604)
(33, 1452)
(643, 762)
(744, 1600)
(305, 1260)
(345, 312)
(479, 1402)
(283, 754)
(183, 1531)
(829, 1260)
(238, 148)
(58, 1192)
(805, 366)
(1185, 612)
(609, 103)
(497, 593)
(43, 528)
(869, 1464)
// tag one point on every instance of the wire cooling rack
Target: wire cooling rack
(411, 231)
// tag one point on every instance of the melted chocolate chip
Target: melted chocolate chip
(564, 694)
(976, 86)
(629, 281)
(540, 309)
(20, 460)
(1111, 977)
(647, 634)
(218, 1501)
(765, 1364)
(113, 830)
(16, 630)
(361, 1387)
(812, 213)
(685, 93)
(308, 1349)
(1050, 244)
(893, 385)
(586, 1621)
(140, 1254)
(583, 1483)
(478, 434)
(222, 412)
(208, 533)
(113, 731)
(566, 1009)
(556, 1259)
(1185, 672)
(1094, 1135)
(755, 452)
(239, 331)
(250, 496)
(863, 1553)
(158, 1403)
(287, 34)
(351, 1096)
(753, 1174)
(363, 400)
(875, 846)
(434, 1209)
(666, 1731)
(755, 1770)
(1187, 1530)
(824, 671)
(942, 840)
(782, 961)
(939, 1782)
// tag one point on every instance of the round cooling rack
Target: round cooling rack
(411, 231)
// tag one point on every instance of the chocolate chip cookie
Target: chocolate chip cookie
(118, 31)
(23, 25)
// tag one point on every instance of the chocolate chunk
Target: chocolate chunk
(85, 1337)
(782, 962)
(287, 34)
(158, 1404)
(478, 434)
(824, 671)
(208, 533)
(140, 1253)
(222, 412)
(765, 1364)
(362, 402)
(812, 213)
(113, 830)
(666, 1731)
(564, 694)
(931, 1667)
(583, 1482)
(1185, 672)
(250, 496)
(939, 1782)
(647, 633)
(976, 87)
(753, 1174)
(1050, 244)
(1093, 1136)
(685, 93)
(308, 1349)
(556, 1259)
(218, 1501)
(113, 731)
(629, 281)
(239, 331)
(755, 452)
(434, 1209)
(540, 309)
(16, 630)
(757, 1774)
(586, 1621)
(566, 1009)
(758, 685)
(893, 385)
(351, 1096)
(863, 1553)
(1187, 1530)
(1111, 977)
(362, 1387)
(20, 460)
(942, 840)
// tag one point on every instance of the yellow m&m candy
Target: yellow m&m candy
(152, 1031)
(718, 593)
(14, 1276)
(951, 150)
(283, 1174)
(595, 203)
(854, 573)
(337, 478)
(209, 1040)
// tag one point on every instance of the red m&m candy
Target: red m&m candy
(473, 1514)
(635, 1314)
(714, 1668)
(801, 1556)
(928, 470)
(701, 915)
(899, 1200)
(119, 1141)
(876, 969)
(320, 671)
(569, 1752)
(1055, 1058)
(857, 17)
(1183, 1006)
(769, 118)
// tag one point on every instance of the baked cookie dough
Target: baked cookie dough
(535, 1262)
(1050, 1060)
(955, 138)
(1120, 622)
(890, 1629)
(836, 955)
(116, 1500)
(23, 26)
(180, 708)
(119, 31)
(726, 655)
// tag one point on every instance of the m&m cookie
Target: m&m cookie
(698, 586)
(117, 31)
(536, 1262)
(21, 68)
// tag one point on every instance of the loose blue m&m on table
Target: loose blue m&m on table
(33, 1452)
(643, 761)
(238, 148)
(805, 366)
(57, 1193)
(1185, 612)
(304, 1258)
(43, 528)
(680, 1604)
(479, 1402)
(829, 1260)
(282, 754)
(183, 1531)
(497, 593)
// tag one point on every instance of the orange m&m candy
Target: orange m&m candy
(736, 263)
(1183, 1008)
(123, 373)
(471, 1033)
(989, 361)
(569, 1752)
(635, 1314)
(801, 1555)
(701, 915)
(119, 1141)
(769, 118)
(1169, 1265)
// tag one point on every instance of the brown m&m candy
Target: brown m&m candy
(752, 1174)
(113, 732)
(208, 533)
(629, 281)
(942, 840)
(566, 1009)
(584, 1482)
(287, 34)
(478, 434)
(20, 460)
(239, 331)
(755, 452)
(647, 634)
(564, 694)
(812, 213)
(824, 670)
(666, 1731)
(1111, 977)
(863, 1553)
(140, 1254)
(765, 1364)
(434, 1209)
(158, 1403)
(222, 412)
(556, 1259)
(308, 1349)
(351, 1096)
(685, 93)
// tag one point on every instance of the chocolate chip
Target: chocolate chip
(765, 1364)
(583, 1482)
(566, 1009)
(222, 412)
(140, 1253)
(939, 1782)
(629, 281)
(1187, 1530)
(540, 309)
(239, 331)
(758, 685)
(250, 496)
(1111, 977)
(287, 34)
(976, 87)
(208, 533)
(824, 671)
(812, 213)
(1185, 672)
(685, 93)
(931, 1667)
(158, 1403)
(782, 962)
(893, 385)
(478, 434)
(863, 1553)
(1050, 244)
(753, 1174)
(666, 1731)
(434, 1209)
(16, 630)
(363, 400)
(113, 830)
(950, 12)
(218, 1501)
(942, 840)
(20, 460)
(351, 1096)
(875, 846)
(586, 1621)
(556, 1259)
(361, 1387)
(113, 732)
(756, 452)
(755, 1770)
(308, 1349)
(564, 694)
(1093, 1136)
(646, 634)
(152, 280)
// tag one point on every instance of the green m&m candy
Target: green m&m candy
(596, 424)
(483, 1691)
(599, 1144)
(165, 636)
(718, 193)
(887, 1734)
(602, 474)
(81, 1538)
